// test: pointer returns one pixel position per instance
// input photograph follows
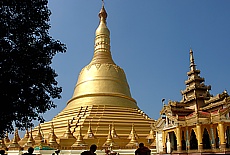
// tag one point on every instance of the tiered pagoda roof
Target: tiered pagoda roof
(197, 104)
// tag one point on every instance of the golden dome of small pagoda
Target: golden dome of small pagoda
(101, 102)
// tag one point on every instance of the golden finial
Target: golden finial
(102, 14)
(192, 62)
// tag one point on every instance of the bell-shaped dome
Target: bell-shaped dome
(102, 82)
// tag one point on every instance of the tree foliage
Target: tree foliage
(27, 80)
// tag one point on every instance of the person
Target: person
(142, 150)
(2, 152)
(107, 151)
(91, 151)
(30, 151)
(57, 152)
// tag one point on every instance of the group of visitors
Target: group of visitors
(30, 151)
(142, 150)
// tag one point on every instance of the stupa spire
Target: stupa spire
(192, 62)
(196, 91)
(102, 52)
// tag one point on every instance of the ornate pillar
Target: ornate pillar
(168, 143)
(166, 121)
(199, 137)
(164, 141)
(222, 135)
(212, 137)
(178, 134)
(187, 139)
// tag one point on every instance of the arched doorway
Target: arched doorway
(206, 140)
(217, 140)
(193, 141)
(228, 137)
(183, 142)
(173, 141)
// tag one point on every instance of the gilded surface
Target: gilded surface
(101, 110)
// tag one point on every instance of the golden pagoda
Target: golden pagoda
(101, 110)
(199, 123)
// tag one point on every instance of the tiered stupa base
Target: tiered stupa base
(100, 118)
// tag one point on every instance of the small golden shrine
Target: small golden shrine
(101, 110)
(198, 123)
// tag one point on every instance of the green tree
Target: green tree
(27, 81)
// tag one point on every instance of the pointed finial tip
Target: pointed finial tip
(102, 12)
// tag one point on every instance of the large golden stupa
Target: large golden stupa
(101, 110)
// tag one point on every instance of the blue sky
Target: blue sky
(150, 40)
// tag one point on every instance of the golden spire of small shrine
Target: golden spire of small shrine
(14, 143)
(113, 132)
(80, 143)
(133, 143)
(133, 132)
(6, 139)
(151, 133)
(24, 139)
(52, 139)
(67, 140)
(89, 134)
(2, 144)
(26, 135)
(30, 141)
(68, 133)
(38, 138)
(17, 135)
(109, 142)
